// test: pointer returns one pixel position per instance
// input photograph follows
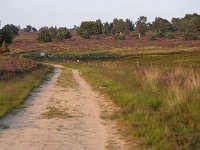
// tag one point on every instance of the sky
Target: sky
(67, 13)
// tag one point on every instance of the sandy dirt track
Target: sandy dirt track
(57, 118)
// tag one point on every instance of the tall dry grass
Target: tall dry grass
(160, 102)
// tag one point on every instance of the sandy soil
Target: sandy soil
(57, 118)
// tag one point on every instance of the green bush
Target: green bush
(63, 33)
(53, 32)
(85, 35)
(152, 37)
(169, 35)
(100, 36)
(119, 37)
(44, 36)
(160, 34)
(190, 36)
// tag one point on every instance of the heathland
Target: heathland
(154, 79)
(155, 83)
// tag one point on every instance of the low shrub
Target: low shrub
(119, 37)
(85, 35)
(152, 37)
(190, 36)
(63, 33)
(160, 34)
(169, 35)
(100, 36)
(44, 36)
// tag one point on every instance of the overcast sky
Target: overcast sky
(68, 13)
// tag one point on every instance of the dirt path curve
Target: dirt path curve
(56, 118)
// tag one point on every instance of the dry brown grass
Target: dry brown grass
(66, 79)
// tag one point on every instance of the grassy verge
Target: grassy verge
(14, 89)
(158, 95)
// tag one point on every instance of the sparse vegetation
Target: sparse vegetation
(160, 102)
(66, 79)
(54, 112)
(18, 78)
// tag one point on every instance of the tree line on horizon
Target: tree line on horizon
(189, 25)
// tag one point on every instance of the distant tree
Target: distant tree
(91, 27)
(75, 27)
(149, 26)
(99, 24)
(34, 29)
(161, 25)
(175, 24)
(190, 23)
(53, 31)
(85, 35)
(44, 36)
(129, 24)
(5, 36)
(12, 29)
(44, 28)
(107, 28)
(141, 26)
(19, 28)
(29, 28)
(7, 33)
(120, 26)
(63, 33)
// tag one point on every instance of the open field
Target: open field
(158, 96)
(27, 42)
(18, 78)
